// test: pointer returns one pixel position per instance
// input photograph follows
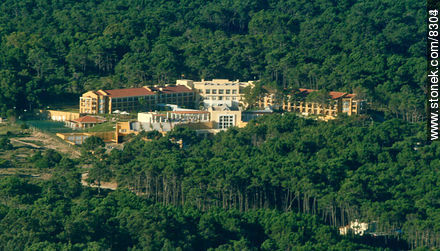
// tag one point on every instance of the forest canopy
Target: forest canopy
(282, 182)
(50, 50)
(60, 215)
(340, 171)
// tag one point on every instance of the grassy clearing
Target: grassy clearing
(27, 142)
(19, 156)
(49, 126)
(13, 128)
(104, 127)
(68, 107)
(118, 117)
(42, 134)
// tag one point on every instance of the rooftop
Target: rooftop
(89, 119)
(129, 92)
(221, 82)
(171, 89)
(336, 95)
(333, 95)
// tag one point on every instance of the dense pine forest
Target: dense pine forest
(50, 49)
(60, 215)
(337, 171)
(281, 183)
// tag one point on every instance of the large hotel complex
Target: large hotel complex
(214, 93)
(206, 106)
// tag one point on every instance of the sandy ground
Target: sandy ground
(47, 176)
(104, 185)
(25, 143)
(49, 142)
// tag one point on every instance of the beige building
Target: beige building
(339, 102)
(359, 228)
(84, 122)
(133, 99)
(217, 91)
(215, 118)
(60, 115)
(223, 117)
(79, 138)
(190, 116)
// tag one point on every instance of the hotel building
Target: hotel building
(338, 103)
(134, 99)
(218, 92)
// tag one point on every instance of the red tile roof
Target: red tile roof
(88, 119)
(129, 92)
(336, 95)
(333, 95)
(306, 90)
(171, 89)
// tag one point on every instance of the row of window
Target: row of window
(311, 105)
(171, 98)
(135, 104)
(128, 99)
(150, 97)
(87, 111)
(221, 84)
(310, 111)
(220, 91)
(124, 105)
(309, 108)
(226, 121)
(184, 94)
(88, 102)
(221, 98)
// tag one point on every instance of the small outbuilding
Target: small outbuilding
(85, 122)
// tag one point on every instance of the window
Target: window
(208, 91)
(234, 91)
(214, 98)
(345, 106)
(226, 121)
(221, 91)
(228, 91)
(227, 98)
(214, 91)
(220, 98)
(234, 98)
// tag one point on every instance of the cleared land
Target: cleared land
(51, 142)
(33, 139)
(104, 185)
(27, 142)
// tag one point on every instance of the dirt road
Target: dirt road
(104, 185)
